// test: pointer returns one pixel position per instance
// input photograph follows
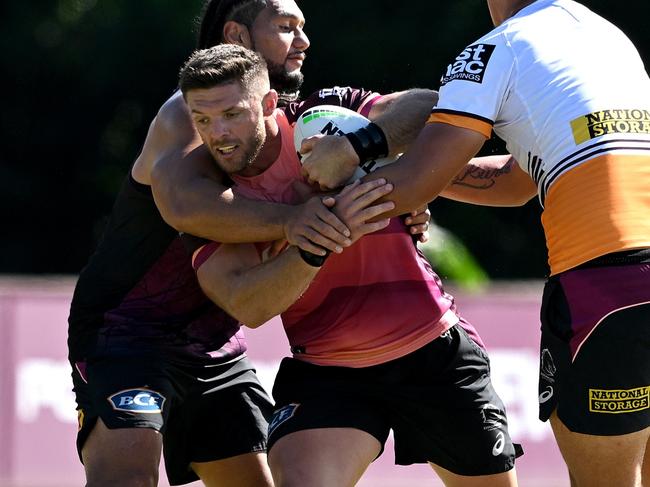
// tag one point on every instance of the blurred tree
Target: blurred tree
(452, 260)
(85, 77)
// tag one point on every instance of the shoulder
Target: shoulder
(170, 135)
(174, 115)
(471, 65)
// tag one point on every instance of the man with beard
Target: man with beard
(377, 344)
(155, 363)
(189, 190)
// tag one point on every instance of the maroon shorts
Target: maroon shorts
(595, 349)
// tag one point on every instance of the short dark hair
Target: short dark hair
(217, 12)
(222, 64)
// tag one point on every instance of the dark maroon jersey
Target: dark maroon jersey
(355, 99)
(139, 294)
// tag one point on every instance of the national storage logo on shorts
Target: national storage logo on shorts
(607, 122)
(619, 401)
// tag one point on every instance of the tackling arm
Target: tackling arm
(402, 115)
(253, 291)
(191, 195)
(491, 181)
(424, 171)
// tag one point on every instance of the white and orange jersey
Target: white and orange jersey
(569, 94)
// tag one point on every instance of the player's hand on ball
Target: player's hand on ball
(418, 223)
(328, 160)
(357, 204)
(314, 228)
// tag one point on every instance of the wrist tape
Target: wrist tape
(369, 142)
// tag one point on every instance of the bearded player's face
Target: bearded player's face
(278, 35)
(231, 125)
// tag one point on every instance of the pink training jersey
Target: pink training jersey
(377, 301)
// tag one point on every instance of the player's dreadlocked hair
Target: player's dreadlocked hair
(217, 12)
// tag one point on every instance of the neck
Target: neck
(270, 151)
(517, 6)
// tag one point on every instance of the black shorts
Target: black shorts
(438, 401)
(204, 413)
(595, 349)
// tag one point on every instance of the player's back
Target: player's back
(566, 62)
(569, 94)
(138, 293)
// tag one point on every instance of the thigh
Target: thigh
(449, 414)
(450, 479)
(646, 464)
(128, 456)
(247, 470)
(322, 457)
(602, 461)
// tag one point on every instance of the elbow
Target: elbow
(525, 196)
(247, 315)
(253, 323)
(173, 211)
(178, 218)
(515, 201)
(168, 206)
(252, 318)
(525, 199)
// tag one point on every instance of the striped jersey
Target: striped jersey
(569, 94)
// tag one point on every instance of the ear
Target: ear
(236, 33)
(270, 103)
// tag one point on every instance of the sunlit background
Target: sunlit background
(84, 78)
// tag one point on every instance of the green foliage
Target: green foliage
(84, 78)
(452, 259)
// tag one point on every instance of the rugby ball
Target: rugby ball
(333, 120)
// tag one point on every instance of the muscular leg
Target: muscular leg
(322, 457)
(602, 461)
(450, 479)
(249, 470)
(646, 465)
(126, 457)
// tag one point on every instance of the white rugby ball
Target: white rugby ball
(333, 120)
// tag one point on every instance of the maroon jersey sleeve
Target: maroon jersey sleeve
(357, 99)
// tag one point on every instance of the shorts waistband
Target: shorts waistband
(625, 257)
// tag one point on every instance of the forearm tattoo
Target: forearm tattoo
(478, 178)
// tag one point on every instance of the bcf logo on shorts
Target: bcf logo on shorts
(137, 401)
